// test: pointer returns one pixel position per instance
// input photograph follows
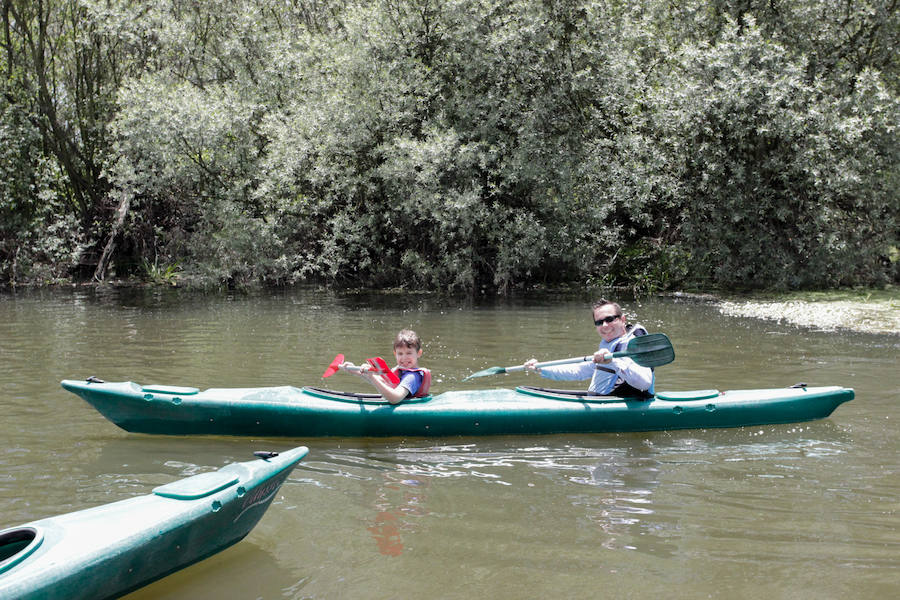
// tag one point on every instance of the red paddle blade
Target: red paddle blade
(379, 365)
(333, 367)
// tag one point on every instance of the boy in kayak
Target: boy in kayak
(609, 376)
(414, 380)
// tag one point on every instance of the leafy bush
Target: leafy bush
(40, 238)
(455, 145)
(759, 177)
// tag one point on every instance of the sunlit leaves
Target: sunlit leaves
(467, 145)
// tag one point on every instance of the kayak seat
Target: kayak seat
(16, 544)
(197, 486)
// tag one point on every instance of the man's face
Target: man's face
(609, 329)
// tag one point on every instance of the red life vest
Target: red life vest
(426, 380)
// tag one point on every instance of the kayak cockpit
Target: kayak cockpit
(687, 396)
(571, 395)
(17, 544)
(356, 397)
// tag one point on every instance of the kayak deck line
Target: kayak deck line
(288, 411)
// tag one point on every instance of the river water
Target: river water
(803, 510)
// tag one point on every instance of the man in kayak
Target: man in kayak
(609, 376)
(414, 380)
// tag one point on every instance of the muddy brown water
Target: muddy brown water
(805, 510)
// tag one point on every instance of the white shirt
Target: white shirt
(602, 380)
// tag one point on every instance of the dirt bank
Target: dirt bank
(870, 312)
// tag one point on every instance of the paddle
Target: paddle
(651, 350)
(334, 366)
(377, 364)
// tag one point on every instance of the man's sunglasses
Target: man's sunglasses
(599, 322)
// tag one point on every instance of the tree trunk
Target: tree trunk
(121, 213)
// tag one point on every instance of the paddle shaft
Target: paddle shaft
(566, 361)
(377, 366)
(351, 368)
(651, 350)
(551, 363)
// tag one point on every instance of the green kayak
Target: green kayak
(110, 550)
(306, 412)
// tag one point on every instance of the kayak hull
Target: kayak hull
(110, 550)
(307, 412)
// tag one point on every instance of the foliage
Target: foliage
(768, 173)
(161, 274)
(462, 145)
(40, 240)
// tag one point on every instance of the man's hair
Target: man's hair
(601, 302)
(408, 339)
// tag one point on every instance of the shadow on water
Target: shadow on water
(253, 572)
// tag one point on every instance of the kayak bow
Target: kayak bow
(110, 550)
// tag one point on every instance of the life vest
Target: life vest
(426, 380)
(623, 388)
(631, 332)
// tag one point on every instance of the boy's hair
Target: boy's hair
(408, 339)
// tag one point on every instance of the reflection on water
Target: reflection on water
(796, 510)
(626, 496)
(624, 508)
(399, 501)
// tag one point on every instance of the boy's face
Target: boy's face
(407, 357)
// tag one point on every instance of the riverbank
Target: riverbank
(864, 310)
(868, 311)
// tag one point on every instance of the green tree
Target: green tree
(463, 145)
(762, 179)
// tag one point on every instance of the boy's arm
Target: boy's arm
(394, 395)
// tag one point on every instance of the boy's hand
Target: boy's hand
(361, 370)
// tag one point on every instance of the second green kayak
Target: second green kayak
(110, 550)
